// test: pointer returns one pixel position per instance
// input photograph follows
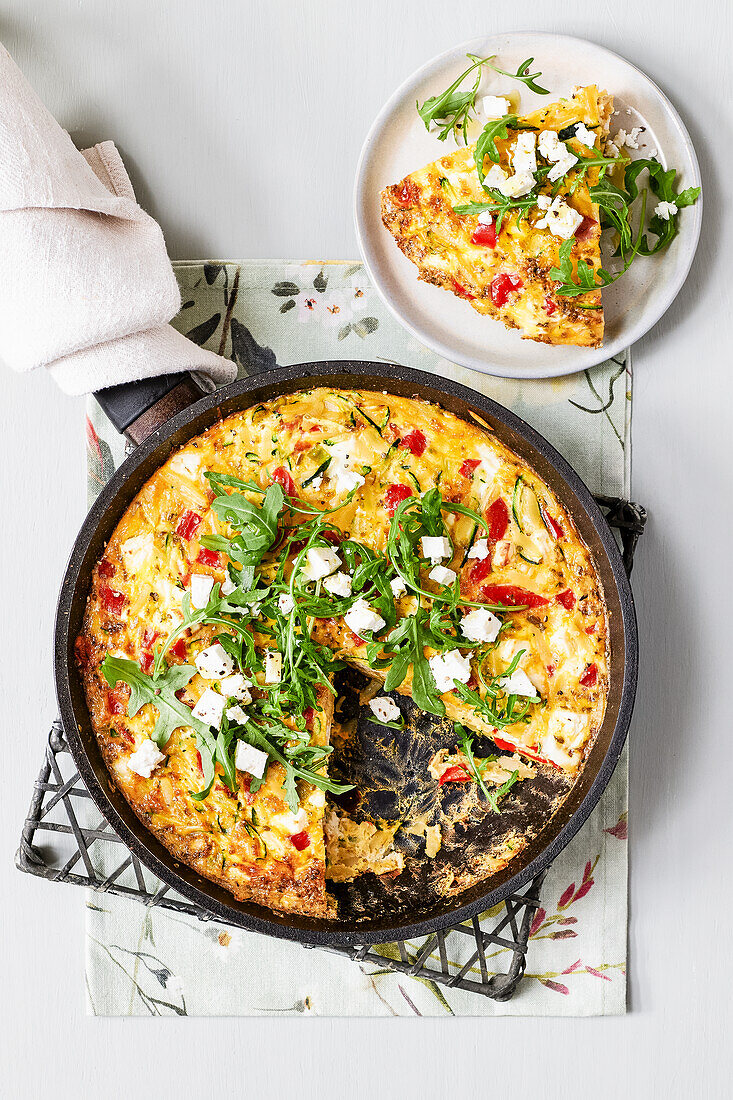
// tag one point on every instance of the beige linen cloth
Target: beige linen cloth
(86, 286)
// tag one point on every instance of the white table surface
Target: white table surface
(240, 123)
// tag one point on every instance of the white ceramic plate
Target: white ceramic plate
(398, 143)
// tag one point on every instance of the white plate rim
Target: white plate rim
(606, 350)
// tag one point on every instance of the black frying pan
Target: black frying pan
(163, 414)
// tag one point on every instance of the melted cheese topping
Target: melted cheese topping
(243, 841)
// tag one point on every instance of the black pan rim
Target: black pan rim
(322, 933)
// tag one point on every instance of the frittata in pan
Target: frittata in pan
(325, 528)
(487, 221)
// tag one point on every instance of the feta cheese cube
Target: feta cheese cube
(485, 217)
(317, 482)
(321, 561)
(285, 603)
(550, 146)
(339, 584)
(340, 467)
(236, 687)
(448, 667)
(519, 683)
(665, 210)
(442, 575)
(585, 136)
(524, 157)
(521, 183)
(543, 202)
(386, 710)
(361, 617)
(201, 585)
(479, 550)
(398, 586)
(479, 625)
(273, 666)
(145, 759)
(214, 662)
(436, 547)
(249, 759)
(495, 177)
(228, 586)
(562, 167)
(495, 106)
(210, 708)
(562, 220)
(290, 823)
(236, 714)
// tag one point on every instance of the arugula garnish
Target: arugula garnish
(500, 205)
(476, 767)
(452, 109)
(486, 144)
(488, 704)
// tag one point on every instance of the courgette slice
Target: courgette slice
(528, 518)
(319, 470)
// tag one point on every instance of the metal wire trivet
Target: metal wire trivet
(65, 839)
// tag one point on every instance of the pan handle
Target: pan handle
(138, 408)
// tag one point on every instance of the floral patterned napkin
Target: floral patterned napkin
(146, 961)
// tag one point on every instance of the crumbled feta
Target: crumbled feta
(665, 210)
(361, 617)
(249, 759)
(210, 708)
(285, 603)
(273, 666)
(214, 662)
(236, 714)
(201, 585)
(550, 146)
(562, 220)
(145, 759)
(290, 823)
(385, 709)
(479, 625)
(524, 158)
(585, 136)
(442, 575)
(338, 585)
(340, 468)
(543, 202)
(436, 547)
(502, 553)
(236, 687)
(136, 551)
(228, 586)
(495, 177)
(521, 183)
(321, 561)
(480, 549)
(317, 482)
(448, 667)
(519, 683)
(495, 106)
(562, 167)
(485, 217)
(628, 139)
(490, 461)
(398, 586)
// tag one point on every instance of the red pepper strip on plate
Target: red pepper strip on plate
(283, 478)
(300, 840)
(408, 194)
(456, 774)
(188, 524)
(590, 676)
(511, 595)
(461, 290)
(502, 286)
(415, 442)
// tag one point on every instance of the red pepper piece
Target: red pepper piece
(106, 568)
(179, 650)
(282, 477)
(150, 637)
(590, 676)
(199, 761)
(511, 595)
(507, 746)
(497, 519)
(485, 235)
(461, 290)
(117, 699)
(407, 193)
(592, 628)
(456, 774)
(309, 714)
(553, 526)
(469, 466)
(551, 670)
(415, 442)
(188, 524)
(112, 601)
(585, 229)
(146, 663)
(502, 286)
(481, 569)
(549, 306)
(301, 840)
(209, 557)
(334, 537)
(395, 495)
(566, 598)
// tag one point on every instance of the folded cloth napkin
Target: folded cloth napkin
(86, 286)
